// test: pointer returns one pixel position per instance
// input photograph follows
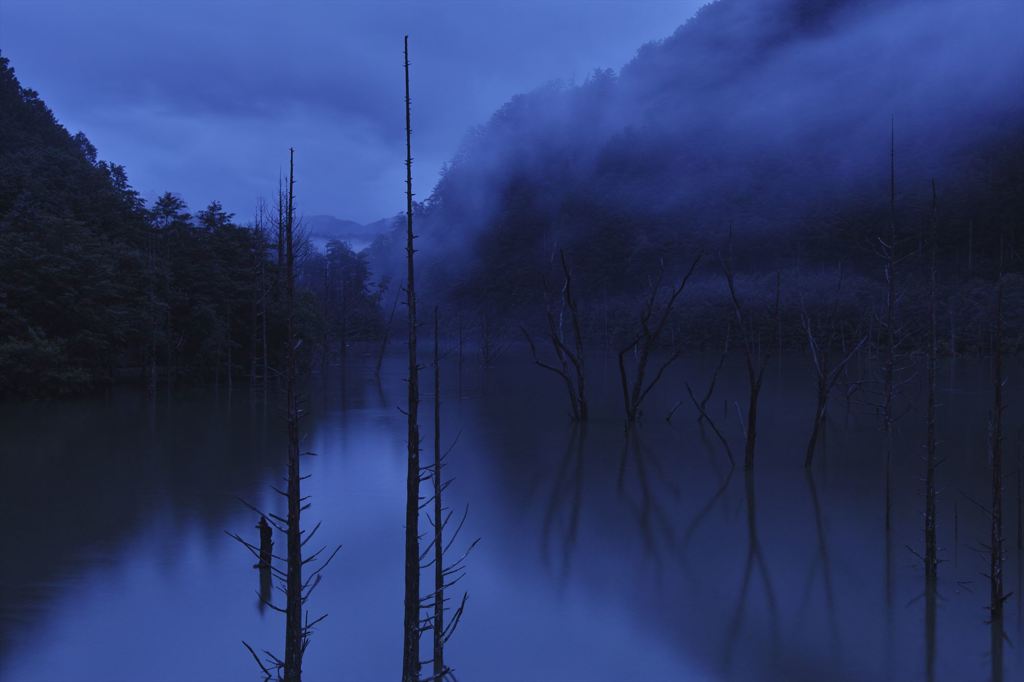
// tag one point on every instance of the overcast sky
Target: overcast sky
(203, 97)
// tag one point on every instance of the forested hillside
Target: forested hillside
(96, 286)
(804, 128)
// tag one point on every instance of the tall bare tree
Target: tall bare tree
(931, 562)
(297, 590)
(294, 646)
(892, 333)
(412, 629)
(645, 343)
(996, 540)
(446, 574)
(438, 520)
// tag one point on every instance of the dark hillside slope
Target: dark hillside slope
(70, 249)
(769, 117)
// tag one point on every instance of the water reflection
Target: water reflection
(567, 491)
(653, 562)
(826, 567)
(754, 561)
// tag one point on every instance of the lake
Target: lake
(603, 555)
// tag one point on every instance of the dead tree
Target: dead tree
(827, 371)
(891, 331)
(151, 312)
(490, 334)
(259, 369)
(411, 630)
(702, 405)
(889, 253)
(387, 334)
(438, 625)
(645, 342)
(280, 225)
(294, 645)
(756, 361)
(997, 596)
(570, 360)
(297, 590)
(931, 562)
(446, 575)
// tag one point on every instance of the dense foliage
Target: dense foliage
(95, 286)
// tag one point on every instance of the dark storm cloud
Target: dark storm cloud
(204, 98)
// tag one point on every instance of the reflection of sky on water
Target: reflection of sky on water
(600, 558)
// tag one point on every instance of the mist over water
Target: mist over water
(602, 556)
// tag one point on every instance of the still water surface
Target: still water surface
(602, 556)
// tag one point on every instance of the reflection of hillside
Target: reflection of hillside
(583, 529)
(655, 527)
(81, 477)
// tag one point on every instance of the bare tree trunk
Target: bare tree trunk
(576, 357)
(889, 253)
(255, 311)
(438, 629)
(827, 373)
(230, 365)
(819, 422)
(997, 597)
(387, 334)
(931, 562)
(410, 647)
(151, 371)
(888, 387)
(970, 248)
(280, 226)
(293, 644)
(325, 352)
(263, 330)
(462, 337)
(289, 578)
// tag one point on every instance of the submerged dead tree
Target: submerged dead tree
(931, 561)
(570, 360)
(827, 370)
(387, 334)
(446, 575)
(293, 645)
(438, 522)
(888, 251)
(296, 589)
(411, 629)
(645, 343)
(259, 371)
(756, 360)
(891, 330)
(996, 595)
(702, 405)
